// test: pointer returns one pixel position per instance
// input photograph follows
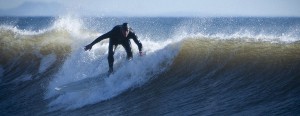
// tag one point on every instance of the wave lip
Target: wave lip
(25, 52)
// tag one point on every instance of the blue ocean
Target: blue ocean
(193, 66)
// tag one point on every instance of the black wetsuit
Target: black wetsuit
(117, 38)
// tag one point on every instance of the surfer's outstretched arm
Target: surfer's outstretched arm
(137, 42)
(104, 36)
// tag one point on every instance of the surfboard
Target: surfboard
(83, 84)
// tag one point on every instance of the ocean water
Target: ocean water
(192, 66)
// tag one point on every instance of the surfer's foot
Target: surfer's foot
(129, 58)
(111, 70)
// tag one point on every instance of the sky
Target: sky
(198, 8)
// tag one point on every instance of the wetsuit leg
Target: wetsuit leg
(110, 58)
(127, 47)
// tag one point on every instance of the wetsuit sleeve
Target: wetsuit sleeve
(137, 41)
(104, 36)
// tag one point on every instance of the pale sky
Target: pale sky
(153, 7)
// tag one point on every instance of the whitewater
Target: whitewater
(192, 66)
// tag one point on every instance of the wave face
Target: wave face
(217, 77)
(202, 66)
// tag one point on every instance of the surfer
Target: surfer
(120, 34)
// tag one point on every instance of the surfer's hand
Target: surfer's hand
(88, 47)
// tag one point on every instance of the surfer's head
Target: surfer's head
(125, 29)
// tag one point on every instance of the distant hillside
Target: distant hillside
(35, 9)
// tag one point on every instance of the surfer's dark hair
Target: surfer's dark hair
(125, 26)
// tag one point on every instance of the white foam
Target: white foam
(246, 36)
(131, 74)
(70, 24)
(197, 28)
